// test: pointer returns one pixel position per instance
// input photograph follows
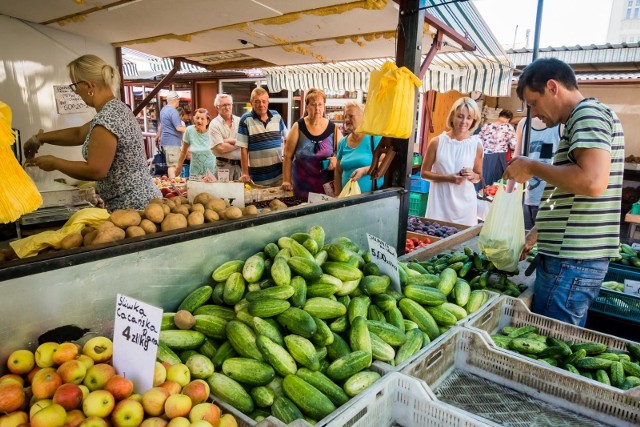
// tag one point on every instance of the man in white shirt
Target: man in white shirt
(222, 134)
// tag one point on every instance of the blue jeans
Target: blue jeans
(565, 288)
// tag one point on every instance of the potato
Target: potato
(171, 203)
(86, 230)
(154, 213)
(211, 215)
(186, 205)
(124, 218)
(157, 201)
(277, 204)
(216, 205)
(3, 258)
(197, 207)
(134, 231)
(173, 221)
(202, 198)
(176, 200)
(183, 200)
(266, 210)
(250, 210)
(88, 238)
(148, 226)
(105, 226)
(181, 210)
(232, 212)
(71, 241)
(166, 209)
(110, 235)
(8, 254)
(195, 218)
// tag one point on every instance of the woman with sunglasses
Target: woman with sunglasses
(112, 144)
(196, 141)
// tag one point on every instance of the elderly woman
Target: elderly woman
(453, 163)
(311, 141)
(355, 152)
(112, 144)
(196, 141)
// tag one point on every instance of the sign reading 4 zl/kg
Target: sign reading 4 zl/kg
(69, 102)
(136, 332)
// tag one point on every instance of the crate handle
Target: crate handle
(486, 317)
(434, 358)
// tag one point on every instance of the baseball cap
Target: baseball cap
(172, 96)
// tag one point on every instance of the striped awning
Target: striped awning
(487, 69)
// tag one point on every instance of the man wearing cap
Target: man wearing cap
(172, 129)
(223, 130)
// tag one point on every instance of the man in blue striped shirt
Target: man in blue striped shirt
(260, 137)
(578, 222)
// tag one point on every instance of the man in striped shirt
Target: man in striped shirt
(260, 137)
(578, 223)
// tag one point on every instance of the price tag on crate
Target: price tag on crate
(632, 287)
(136, 332)
(319, 198)
(386, 258)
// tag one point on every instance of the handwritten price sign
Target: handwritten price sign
(386, 258)
(136, 333)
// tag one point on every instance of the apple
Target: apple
(100, 349)
(15, 419)
(179, 422)
(99, 403)
(44, 354)
(119, 386)
(136, 396)
(39, 405)
(197, 390)
(228, 420)
(72, 371)
(177, 405)
(201, 423)
(200, 366)
(32, 373)
(11, 397)
(74, 418)
(154, 422)
(159, 374)
(85, 391)
(205, 411)
(45, 383)
(21, 362)
(127, 413)
(179, 373)
(153, 400)
(86, 360)
(65, 351)
(69, 396)
(94, 422)
(98, 375)
(53, 415)
(11, 378)
(171, 386)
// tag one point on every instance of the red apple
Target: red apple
(74, 418)
(45, 383)
(120, 387)
(197, 390)
(69, 396)
(11, 397)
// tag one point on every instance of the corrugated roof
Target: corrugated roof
(587, 54)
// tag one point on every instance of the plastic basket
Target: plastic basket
(468, 373)
(618, 304)
(419, 185)
(418, 203)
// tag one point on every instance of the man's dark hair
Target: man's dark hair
(506, 114)
(536, 75)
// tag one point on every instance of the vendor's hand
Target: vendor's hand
(333, 161)
(518, 169)
(245, 178)
(46, 163)
(358, 173)
(286, 185)
(457, 179)
(32, 146)
(468, 174)
(529, 241)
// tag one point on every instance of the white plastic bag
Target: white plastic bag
(502, 236)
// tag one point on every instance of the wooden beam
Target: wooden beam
(177, 63)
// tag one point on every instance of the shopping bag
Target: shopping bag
(351, 189)
(390, 102)
(502, 236)
(159, 165)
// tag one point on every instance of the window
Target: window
(633, 9)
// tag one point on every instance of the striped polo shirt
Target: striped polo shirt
(581, 227)
(264, 143)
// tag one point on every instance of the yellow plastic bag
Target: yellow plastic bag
(32, 245)
(502, 236)
(351, 189)
(390, 102)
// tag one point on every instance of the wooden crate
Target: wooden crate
(444, 243)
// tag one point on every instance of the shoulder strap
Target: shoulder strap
(371, 141)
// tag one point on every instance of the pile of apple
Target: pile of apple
(71, 385)
(171, 187)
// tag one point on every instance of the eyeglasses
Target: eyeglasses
(74, 86)
(224, 105)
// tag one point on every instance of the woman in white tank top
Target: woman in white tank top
(453, 163)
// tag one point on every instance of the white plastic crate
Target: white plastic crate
(472, 375)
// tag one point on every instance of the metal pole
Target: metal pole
(536, 47)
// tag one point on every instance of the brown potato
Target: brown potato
(134, 231)
(266, 210)
(88, 238)
(183, 200)
(186, 205)
(197, 207)
(171, 203)
(176, 200)
(154, 213)
(250, 210)
(174, 221)
(157, 200)
(124, 218)
(216, 205)
(211, 215)
(195, 218)
(148, 226)
(166, 209)
(202, 198)
(277, 204)
(105, 226)
(71, 241)
(86, 230)
(232, 212)
(181, 210)
(110, 235)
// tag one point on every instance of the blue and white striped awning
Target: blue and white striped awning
(487, 69)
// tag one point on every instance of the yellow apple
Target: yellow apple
(72, 371)
(197, 390)
(154, 422)
(45, 383)
(85, 391)
(205, 411)
(179, 373)
(85, 360)
(159, 374)
(127, 413)
(44, 354)
(99, 403)
(100, 349)
(228, 420)
(136, 396)
(11, 378)
(14, 419)
(65, 351)
(201, 423)
(153, 400)
(94, 422)
(98, 375)
(20, 362)
(39, 405)
(53, 415)
(74, 418)
(179, 422)
(171, 386)
(177, 405)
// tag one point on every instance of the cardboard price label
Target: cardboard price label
(631, 287)
(319, 198)
(136, 332)
(386, 258)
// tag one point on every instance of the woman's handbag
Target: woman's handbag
(159, 165)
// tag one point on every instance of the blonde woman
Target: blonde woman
(453, 163)
(112, 144)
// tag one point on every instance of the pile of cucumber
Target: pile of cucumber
(628, 256)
